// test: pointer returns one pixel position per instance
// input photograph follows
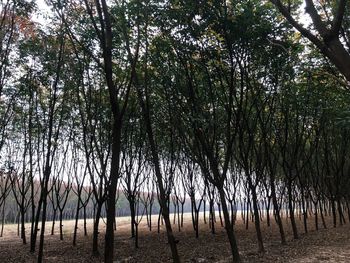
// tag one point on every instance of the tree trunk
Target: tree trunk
(277, 212)
(95, 234)
(42, 233)
(36, 227)
(304, 211)
(322, 216)
(159, 219)
(61, 225)
(136, 235)
(76, 224)
(268, 212)
(291, 211)
(256, 215)
(211, 216)
(228, 227)
(247, 214)
(2, 219)
(348, 208)
(53, 222)
(150, 216)
(174, 218)
(219, 207)
(197, 222)
(182, 214)
(204, 215)
(132, 215)
(340, 212)
(178, 217)
(23, 228)
(316, 215)
(112, 189)
(334, 213)
(85, 230)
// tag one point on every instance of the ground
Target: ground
(325, 245)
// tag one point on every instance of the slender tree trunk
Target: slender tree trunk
(147, 215)
(277, 212)
(348, 208)
(204, 212)
(219, 207)
(243, 211)
(18, 222)
(112, 190)
(159, 219)
(193, 215)
(316, 215)
(211, 214)
(334, 213)
(42, 233)
(150, 216)
(178, 217)
(76, 224)
(95, 234)
(268, 212)
(182, 214)
(228, 227)
(36, 227)
(232, 213)
(197, 222)
(174, 218)
(291, 210)
(340, 212)
(84, 211)
(23, 228)
(304, 211)
(132, 215)
(32, 225)
(247, 213)
(53, 222)
(136, 235)
(61, 225)
(3, 218)
(256, 215)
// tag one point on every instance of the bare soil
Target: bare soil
(325, 245)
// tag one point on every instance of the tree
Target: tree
(329, 34)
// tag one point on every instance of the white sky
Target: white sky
(42, 15)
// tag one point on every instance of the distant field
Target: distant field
(326, 245)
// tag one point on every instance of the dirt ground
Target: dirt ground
(325, 245)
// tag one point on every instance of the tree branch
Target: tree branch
(338, 18)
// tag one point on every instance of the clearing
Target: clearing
(325, 245)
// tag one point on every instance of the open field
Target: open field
(325, 245)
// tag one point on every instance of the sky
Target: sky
(41, 16)
(44, 11)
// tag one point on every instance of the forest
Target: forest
(235, 112)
